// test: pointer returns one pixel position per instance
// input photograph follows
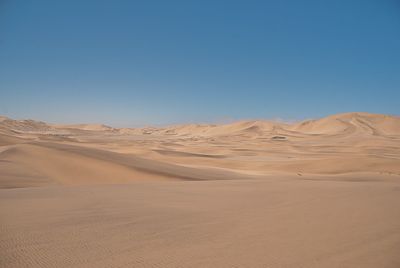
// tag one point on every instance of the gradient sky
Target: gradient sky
(129, 63)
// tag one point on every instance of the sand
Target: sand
(318, 193)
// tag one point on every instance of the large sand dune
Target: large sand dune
(318, 193)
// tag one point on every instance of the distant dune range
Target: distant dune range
(35, 153)
(319, 193)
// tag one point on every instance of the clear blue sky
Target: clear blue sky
(131, 63)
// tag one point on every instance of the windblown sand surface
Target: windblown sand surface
(320, 193)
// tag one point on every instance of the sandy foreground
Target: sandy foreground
(319, 193)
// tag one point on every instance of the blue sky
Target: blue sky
(129, 63)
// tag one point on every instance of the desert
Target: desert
(199, 134)
(252, 193)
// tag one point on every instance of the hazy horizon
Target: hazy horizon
(157, 63)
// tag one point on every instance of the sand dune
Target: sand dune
(337, 124)
(351, 122)
(73, 165)
(24, 125)
(53, 166)
(318, 193)
(237, 128)
(9, 140)
(344, 143)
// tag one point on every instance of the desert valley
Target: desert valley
(317, 193)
